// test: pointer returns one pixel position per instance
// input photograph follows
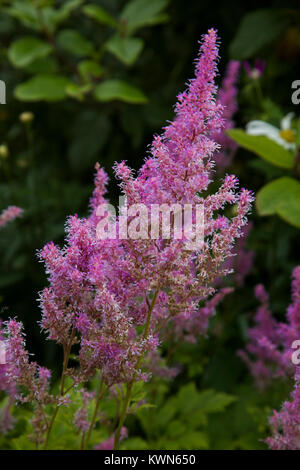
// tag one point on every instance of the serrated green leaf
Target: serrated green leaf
(210, 401)
(75, 43)
(119, 90)
(139, 13)
(256, 30)
(263, 147)
(100, 15)
(281, 197)
(24, 51)
(125, 49)
(43, 87)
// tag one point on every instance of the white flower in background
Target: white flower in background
(285, 136)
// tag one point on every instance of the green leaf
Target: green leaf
(263, 147)
(139, 13)
(214, 402)
(46, 66)
(43, 87)
(119, 90)
(76, 91)
(26, 13)
(75, 43)
(53, 17)
(281, 197)
(194, 440)
(89, 69)
(134, 443)
(99, 14)
(256, 30)
(126, 50)
(68, 7)
(26, 50)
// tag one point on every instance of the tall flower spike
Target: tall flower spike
(102, 290)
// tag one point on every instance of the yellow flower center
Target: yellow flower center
(288, 135)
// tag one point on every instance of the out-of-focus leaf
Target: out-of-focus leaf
(46, 65)
(75, 43)
(89, 133)
(89, 69)
(134, 443)
(281, 197)
(125, 49)
(26, 13)
(43, 87)
(256, 30)
(53, 17)
(99, 14)
(26, 50)
(263, 147)
(76, 91)
(119, 90)
(139, 13)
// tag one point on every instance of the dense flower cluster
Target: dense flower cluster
(269, 352)
(285, 424)
(114, 297)
(272, 347)
(101, 290)
(9, 214)
(23, 380)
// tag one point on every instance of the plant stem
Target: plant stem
(130, 385)
(99, 398)
(67, 350)
(123, 416)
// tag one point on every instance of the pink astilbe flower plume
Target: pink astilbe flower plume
(115, 297)
(103, 289)
(9, 214)
(285, 424)
(270, 354)
(23, 380)
(269, 351)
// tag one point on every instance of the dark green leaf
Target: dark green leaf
(125, 49)
(99, 14)
(139, 13)
(119, 90)
(263, 147)
(75, 43)
(257, 29)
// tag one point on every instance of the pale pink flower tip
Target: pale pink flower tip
(9, 214)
